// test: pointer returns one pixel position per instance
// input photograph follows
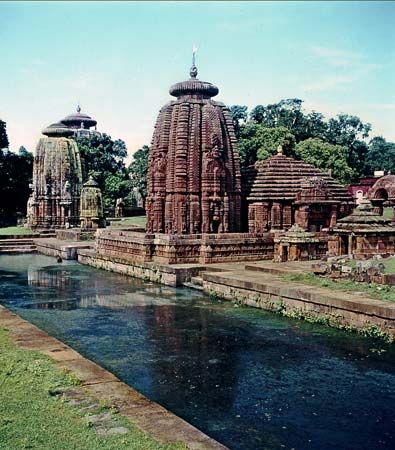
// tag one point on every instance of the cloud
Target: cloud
(329, 82)
(337, 57)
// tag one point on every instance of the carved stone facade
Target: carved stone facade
(57, 180)
(382, 194)
(282, 191)
(91, 214)
(363, 234)
(194, 169)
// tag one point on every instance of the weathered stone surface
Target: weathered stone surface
(281, 191)
(57, 180)
(91, 214)
(194, 169)
(363, 234)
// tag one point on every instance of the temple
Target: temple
(81, 124)
(281, 191)
(57, 180)
(194, 169)
(363, 234)
(91, 214)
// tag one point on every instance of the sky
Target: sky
(118, 60)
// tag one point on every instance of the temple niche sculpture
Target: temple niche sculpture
(57, 180)
(91, 214)
(282, 191)
(194, 169)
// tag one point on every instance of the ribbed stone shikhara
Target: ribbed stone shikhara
(194, 168)
(91, 215)
(57, 180)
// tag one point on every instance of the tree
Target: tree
(138, 170)
(288, 113)
(260, 142)
(103, 159)
(349, 131)
(3, 135)
(239, 117)
(15, 177)
(380, 156)
(326, 157)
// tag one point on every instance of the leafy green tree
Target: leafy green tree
(380, 156)
(239, 117)
(15, 177)
(259, 142)
(138, 170)
(288, 113)
(3, 135)
(104, 159)
(350, 131)
(326, 157)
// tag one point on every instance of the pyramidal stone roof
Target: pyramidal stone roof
(280, 178)
(365, 220)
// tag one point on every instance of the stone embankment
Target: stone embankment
(260, 285)
(149, 416)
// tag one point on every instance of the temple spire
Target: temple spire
(78, 108)
(193, 72)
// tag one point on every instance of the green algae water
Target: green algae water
(246, 377)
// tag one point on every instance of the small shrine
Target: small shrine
(296, 245)
(362, 234)
(281, 191)
(91, 214)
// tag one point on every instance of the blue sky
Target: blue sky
(118, 59)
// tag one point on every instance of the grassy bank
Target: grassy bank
(31, 417)
(13, 231)
(137, 220)
(376, 291)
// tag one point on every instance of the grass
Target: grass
(32, 418)
(389, 264)
(12, 231)
(375, 291)
(136, 220)
(388, 213)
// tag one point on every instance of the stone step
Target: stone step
(6, 242)
(16, 250)
(280, 270)
(197, 280)
(193, 285)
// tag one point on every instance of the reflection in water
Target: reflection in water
(246, 377)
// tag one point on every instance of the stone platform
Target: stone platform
(63, 248)
(130, 247)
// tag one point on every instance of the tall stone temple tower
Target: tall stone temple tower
(57, 180)
(194, 168)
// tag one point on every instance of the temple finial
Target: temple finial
(193, 72)
(78, 108)
(280, 150)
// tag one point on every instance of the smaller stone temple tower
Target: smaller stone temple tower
(57, 180)
(91, 214)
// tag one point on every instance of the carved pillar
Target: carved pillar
(287, 217)
(333, 218)
(276, 215)
(302, 216)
